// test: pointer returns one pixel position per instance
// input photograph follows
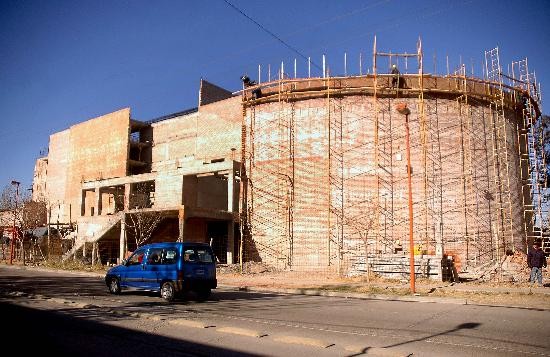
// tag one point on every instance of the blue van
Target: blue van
(169, 268)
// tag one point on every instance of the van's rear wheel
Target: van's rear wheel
(114, 286)
(168, 291)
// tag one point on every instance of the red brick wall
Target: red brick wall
(449, 188)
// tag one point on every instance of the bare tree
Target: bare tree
(142, 219)
(362, 225)
(34, 216)
(12, 201)
(18, 208)
(8, 197)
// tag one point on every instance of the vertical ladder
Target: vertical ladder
(500, 152)
(530, 158)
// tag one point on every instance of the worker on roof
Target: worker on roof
(395, 80)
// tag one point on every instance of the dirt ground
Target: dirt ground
(501, 289)
(502, 285)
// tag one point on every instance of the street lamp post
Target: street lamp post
(402, 109)
(14, 233)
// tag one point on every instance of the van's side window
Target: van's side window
(189, 255)
(136, 258)
(154, 256)
(204, 256)
(198, 254)
(170, 256)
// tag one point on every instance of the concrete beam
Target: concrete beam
(197, 169)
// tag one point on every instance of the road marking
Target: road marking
(241, 331)
(303, 341)
(190, 323)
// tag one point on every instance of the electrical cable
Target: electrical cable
(272, 34)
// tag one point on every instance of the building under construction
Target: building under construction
(341, 174)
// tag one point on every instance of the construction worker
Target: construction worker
(395, 81)
(247, 82)
(536, 261)
(398, 248)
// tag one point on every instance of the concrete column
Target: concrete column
(94, 252)
(230, 190)
(127, 192)
(98, 201)
(230, 241)
(181, 221)
(122, 241)
(82, 203)
(84, 250)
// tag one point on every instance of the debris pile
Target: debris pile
(248, 268)
(513, 268)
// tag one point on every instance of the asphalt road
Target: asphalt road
(74, 313)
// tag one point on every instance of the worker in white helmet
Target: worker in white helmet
(395, 79)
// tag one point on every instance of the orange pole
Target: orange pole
(411, 241)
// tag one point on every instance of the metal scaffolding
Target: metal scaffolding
(531, 136)
(326, 178)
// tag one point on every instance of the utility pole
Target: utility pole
(14, 233)
(402, 109)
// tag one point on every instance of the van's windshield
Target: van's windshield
(197, 255)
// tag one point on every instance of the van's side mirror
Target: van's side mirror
(123, 262)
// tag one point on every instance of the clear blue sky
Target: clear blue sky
(63, 62)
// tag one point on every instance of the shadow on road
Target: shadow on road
(60, 334)
(464, 326)
(69, 286)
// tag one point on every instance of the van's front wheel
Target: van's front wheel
(114, 286)
(168, 291)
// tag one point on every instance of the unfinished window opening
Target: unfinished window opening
(112, 199)
(205, 190)
(88, 206)
(141, 142)
(142, 195)
(216, 232)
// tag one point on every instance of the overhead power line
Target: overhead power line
(272, 34)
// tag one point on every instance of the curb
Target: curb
(298, 340)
